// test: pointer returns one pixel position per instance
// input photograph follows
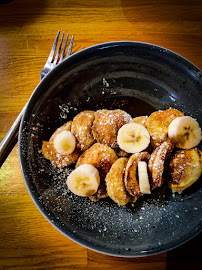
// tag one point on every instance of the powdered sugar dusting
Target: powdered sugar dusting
(106, 125)
(105, 83)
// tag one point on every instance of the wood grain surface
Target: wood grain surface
(27, 30)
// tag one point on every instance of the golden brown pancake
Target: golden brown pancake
(158, 163)
(185, 169)
(158, 123)
(101, 157)
(51, 154)
(106, 125)
(131, 175)
(82, 129)
(115, 183)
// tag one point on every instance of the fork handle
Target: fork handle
(10, 139)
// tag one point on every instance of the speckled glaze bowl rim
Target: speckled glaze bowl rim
(33, 99)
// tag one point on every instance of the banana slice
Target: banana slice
(64, 142)
(84, 180)
(184, 132)
(143, 178)
(133, 138)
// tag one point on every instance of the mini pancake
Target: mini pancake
(82, 129)
(158, 163)
(131, 175)
(115, 183)
(158, 123)
(58, 160)
(101, 157)
(185, 169)
(107, 124)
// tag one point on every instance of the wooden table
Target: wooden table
(27, 31)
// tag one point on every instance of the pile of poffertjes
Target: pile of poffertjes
(124, 157)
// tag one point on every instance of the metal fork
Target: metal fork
(10, 139)
(52, 62)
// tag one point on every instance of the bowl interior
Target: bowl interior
(138, 78)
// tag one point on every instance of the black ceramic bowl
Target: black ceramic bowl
(138, 78)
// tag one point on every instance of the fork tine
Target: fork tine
(50, 58)
(63, 51)
(70, 47)
(58, 52)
